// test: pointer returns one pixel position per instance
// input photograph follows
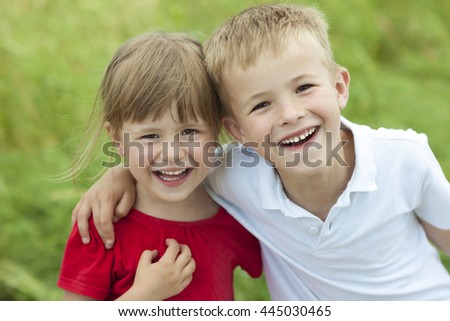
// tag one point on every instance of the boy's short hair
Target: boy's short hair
(241, 39)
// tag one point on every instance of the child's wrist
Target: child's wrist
(140, 293)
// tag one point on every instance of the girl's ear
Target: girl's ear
(232, 127)
(342, 87)
(111, 132)
(113, 135)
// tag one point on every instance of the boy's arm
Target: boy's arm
(440, 238)
(109, 199)
(163, 279)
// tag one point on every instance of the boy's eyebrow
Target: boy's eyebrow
(256, 96)
(301, 77)
(263, 93)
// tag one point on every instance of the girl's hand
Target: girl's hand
(109, 199)
(165, 278)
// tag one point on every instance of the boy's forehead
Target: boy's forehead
(304, 47)
(246, 56)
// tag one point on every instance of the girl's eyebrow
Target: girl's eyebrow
(145, 129)
(192, 124)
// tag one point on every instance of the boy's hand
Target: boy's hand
(440, 238)
(165, 278)
(109, 199)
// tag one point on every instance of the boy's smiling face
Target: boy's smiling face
(285, 104)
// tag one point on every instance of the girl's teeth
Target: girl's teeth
(169, 179)
(174, 172)
(164, 175)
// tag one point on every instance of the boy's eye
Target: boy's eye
(260, 105)
(189, 131)
(303, 88)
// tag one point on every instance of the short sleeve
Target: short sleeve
(250, 253)
(85, 269)
(433, 203)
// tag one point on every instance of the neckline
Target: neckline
(146, 216)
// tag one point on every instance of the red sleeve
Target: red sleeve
(250, 252)
(86, 269)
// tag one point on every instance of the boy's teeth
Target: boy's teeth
(300, 137)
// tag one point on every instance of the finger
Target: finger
(96, 215)
(95, 209)
(82, 219)
(184, 256)
(186, 281)
(83, 230)
(75, 213)
(105, 221)
(189, 269)
(124, 205)
(154, 254)
(173, 248)
(148, 256)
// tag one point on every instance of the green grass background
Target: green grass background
(52, 56)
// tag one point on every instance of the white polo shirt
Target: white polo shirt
(371, 246)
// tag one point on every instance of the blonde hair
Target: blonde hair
(241, 39)
(145, 77)
(152, 71)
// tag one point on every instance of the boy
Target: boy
(342, 211)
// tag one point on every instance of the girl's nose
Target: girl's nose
(174, 151)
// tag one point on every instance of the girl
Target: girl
(160, 109)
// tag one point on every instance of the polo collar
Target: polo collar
(365, 171)
(270, 187)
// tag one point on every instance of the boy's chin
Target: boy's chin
(297, 161)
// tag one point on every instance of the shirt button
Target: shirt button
(313, 230)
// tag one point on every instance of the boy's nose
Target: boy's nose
(290, 112)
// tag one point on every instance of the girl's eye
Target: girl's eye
(303, 88)
(150, 136)
(189, 131)
(260, 105)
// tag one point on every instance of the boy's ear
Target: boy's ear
(232, 128)
(342, 87)
(113, 135)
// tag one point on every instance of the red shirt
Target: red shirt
(218, 245)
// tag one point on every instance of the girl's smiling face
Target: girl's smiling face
(169, 159)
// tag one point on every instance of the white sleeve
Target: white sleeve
(433, 203)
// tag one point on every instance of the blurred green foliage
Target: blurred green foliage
(52, 57)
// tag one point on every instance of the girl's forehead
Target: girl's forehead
(170, 116)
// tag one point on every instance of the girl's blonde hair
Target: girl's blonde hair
(241, 39)
(147, 75)
(151, 72)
